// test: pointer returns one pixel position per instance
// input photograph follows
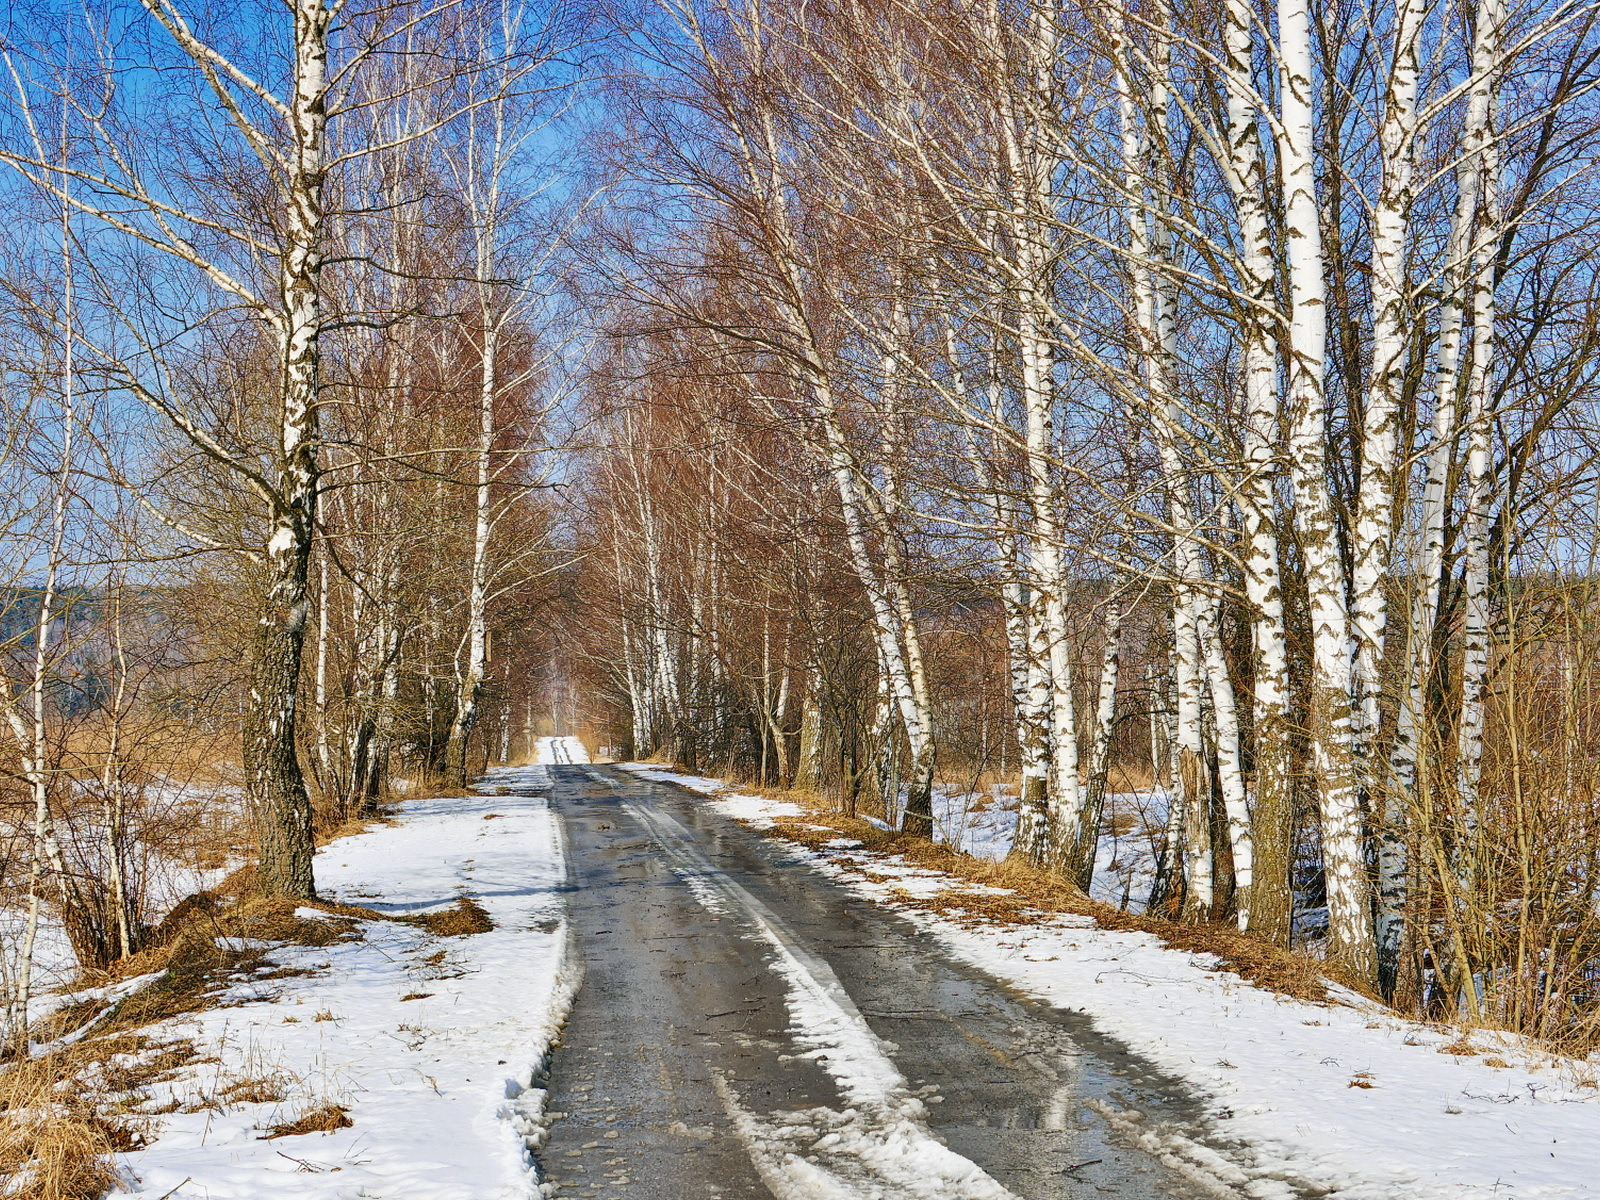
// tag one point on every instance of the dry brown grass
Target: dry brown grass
(59, 1111)
(323, 1118)
(64, 1112)
(196, 965)
(463, 918)
(1124, 777)
(1036, 895)
(57, 1129)
(263, 1090)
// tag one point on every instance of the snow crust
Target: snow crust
(441, 1087)
(1347, 1100)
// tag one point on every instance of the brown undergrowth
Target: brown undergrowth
(1034, 895)
(55, 1142)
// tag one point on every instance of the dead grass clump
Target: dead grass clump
(1037, 895)
(280, 921)
(202, 906)
(197, 957)
(466, 916)
(129, 1063)
(55, 1142)
(255, 1091)
(324, 1118)
(194, 968)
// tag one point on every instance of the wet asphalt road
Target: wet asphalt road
(682, 1028)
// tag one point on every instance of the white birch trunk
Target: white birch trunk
(1144, 150)
(1350, 935)
(1477, 515)
(1461, 274)
(1168, 884)
(1271, 897)
(1031, 166)
(1375, 516)
(29, 728)
(880, 513)
(1391, 303)
(1081, 868)
(470, 683)
(1191, 804)
(1030, 701)
(272, 766)
(1230, 763)
(113, 788)
(320, 693)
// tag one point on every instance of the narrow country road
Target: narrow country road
(747, 1029)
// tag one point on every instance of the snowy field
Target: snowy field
(1344, 1100)
(432, 1044)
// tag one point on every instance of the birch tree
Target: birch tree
(1330, 689)
(283, 130)
(489, 168)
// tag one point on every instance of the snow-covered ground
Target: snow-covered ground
(984, 824)
(433, 1044)
(1345, 1100)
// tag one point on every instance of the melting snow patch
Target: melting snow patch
(757, 811)
(434, 1046)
